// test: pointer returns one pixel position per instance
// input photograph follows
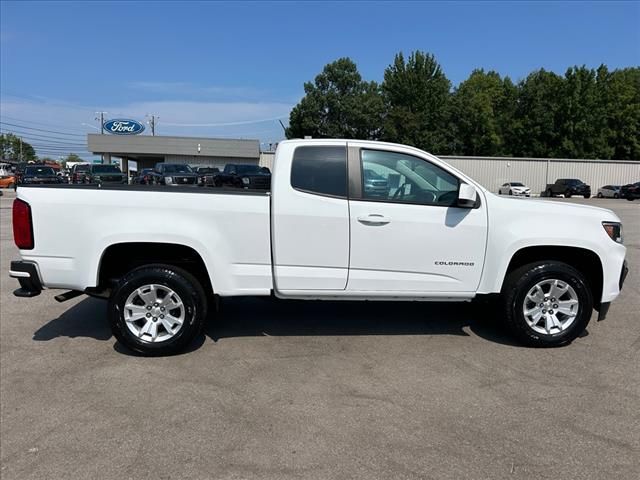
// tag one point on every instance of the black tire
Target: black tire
(567, 194)
(185, 285)
(587, 195)
(599, 195)
(615, 195)
(550, 193)
(510, 192)
(517, 285)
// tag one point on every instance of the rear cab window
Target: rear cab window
(321, 170)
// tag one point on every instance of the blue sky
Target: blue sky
(231, 69)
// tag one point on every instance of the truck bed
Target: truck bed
(228, 228)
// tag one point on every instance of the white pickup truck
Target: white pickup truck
(350, 220)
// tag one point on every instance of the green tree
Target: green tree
(536, 122)
(14, 148)
(482, 110)
(338, 104)
(582, 116)
(416, 94)
(620, 93)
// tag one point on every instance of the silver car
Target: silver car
(514, 188)
(609, 191)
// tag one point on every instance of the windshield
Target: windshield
(517, 184)
(248, 169)
(574, 181)
(106, 169)
(81, 168)
(208, 170)
(177, 169)
(39, 171)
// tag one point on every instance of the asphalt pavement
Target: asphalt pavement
(319, 390)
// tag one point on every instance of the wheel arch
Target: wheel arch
(119, 258)
(584, 260)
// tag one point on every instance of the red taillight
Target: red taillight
(22, 226)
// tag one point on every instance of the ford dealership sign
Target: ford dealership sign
(123, 127)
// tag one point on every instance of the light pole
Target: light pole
(100, 116)
(152, 122)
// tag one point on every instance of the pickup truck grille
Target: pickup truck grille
(261, 182)
(114, 178)
(184, 180)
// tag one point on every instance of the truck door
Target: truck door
(407, 234)
(310, 217)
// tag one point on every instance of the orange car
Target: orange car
(7, 181)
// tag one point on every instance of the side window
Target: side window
(321, 170)
(396, 177)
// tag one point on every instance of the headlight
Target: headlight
(168, 180)
(614, 230)
(246, 180)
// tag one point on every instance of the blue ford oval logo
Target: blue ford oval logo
(123, 127)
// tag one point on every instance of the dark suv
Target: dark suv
(244, 176)
(174, 174)
(39, 175)
(568, 187)
(630, 191)
(104, 174)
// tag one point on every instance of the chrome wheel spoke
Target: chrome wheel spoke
(168, 324)
(147, 294)
(558, 289)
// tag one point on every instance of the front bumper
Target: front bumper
(604, 307)
(27, 275)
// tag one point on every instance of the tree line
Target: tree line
(587, 113)
(13, 147)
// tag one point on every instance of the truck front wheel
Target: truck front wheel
(546, 304)
(157, 309)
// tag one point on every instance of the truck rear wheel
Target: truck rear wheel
(546, 304)
(157, 309)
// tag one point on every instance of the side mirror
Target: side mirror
(467, 196)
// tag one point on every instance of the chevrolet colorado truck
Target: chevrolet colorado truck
(162, 255)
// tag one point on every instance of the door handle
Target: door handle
(374, 219)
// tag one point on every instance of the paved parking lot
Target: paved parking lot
(281, 390)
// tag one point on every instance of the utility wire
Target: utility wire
(3, 116)
(29, 134)
(41, 130)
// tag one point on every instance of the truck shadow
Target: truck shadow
(87, 318)
(259, 316)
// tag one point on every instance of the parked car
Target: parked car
(374, 183)
(207, 175)
(79, 172)
(144, 177)
(102, 174)
(318, 234)
(514, 188)
(244, 176)
(7, 181)
(609, 191)
(174, 174)
(568, 187)
(630, 191)
(38, 175)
